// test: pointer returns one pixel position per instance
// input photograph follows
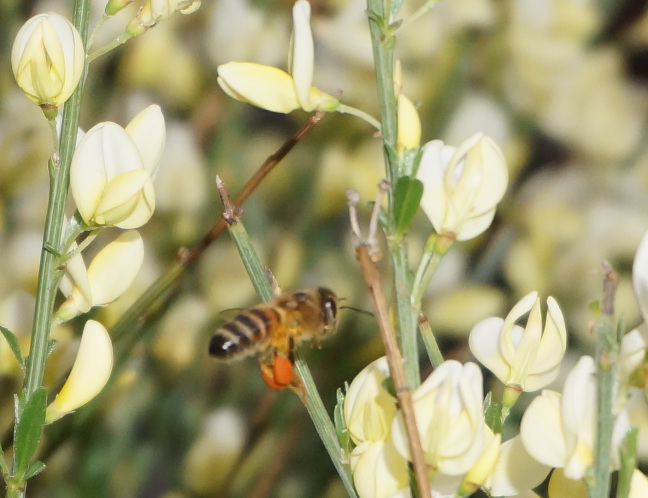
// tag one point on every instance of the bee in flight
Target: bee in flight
(274, 330)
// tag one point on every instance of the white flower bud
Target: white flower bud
(47, 59)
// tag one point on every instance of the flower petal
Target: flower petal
(262, 86)
(103, 153)
(148, 131)
(301, 62)
(89, 374)
(115, 267)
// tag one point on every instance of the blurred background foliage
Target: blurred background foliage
(559, 84)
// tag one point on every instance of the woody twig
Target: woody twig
(368, 255)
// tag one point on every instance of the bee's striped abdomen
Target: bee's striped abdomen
(243, 334)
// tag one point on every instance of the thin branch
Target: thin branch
(366, 255)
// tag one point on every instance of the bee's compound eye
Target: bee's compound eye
(329, 302)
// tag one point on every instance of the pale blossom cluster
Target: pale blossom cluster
(557, 430)
(111, 183)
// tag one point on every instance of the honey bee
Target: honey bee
(274, 330)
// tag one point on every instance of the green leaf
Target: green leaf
(11, 339)
(28, 431)
(340, 425)
(407, 198)
(34, 469)
(493, 414)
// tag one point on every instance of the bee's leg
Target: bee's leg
(277, 370)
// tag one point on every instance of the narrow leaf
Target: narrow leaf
(28, 431)
(493, 414)
(407, 198)
(12, 340)
(340, 425)
(34, 469)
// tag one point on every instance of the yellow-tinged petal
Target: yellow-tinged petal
(560, 485)
(266, 87)
(148, 131)
(409, 124)
(516, 471)
(368, 408)
(121, 197)
(379, 471)
(115, 267)
(541, 430)
(301, 62)
(103, 153)
(89, 374)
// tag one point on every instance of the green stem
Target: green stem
(48, 276)
(313, 402)
(352, 111)
(407, 317)
(123, 38)
(607, 352)
(383, 42)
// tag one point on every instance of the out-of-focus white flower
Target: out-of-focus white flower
(369, 410)
(215, 451)
(559, 430)
(273, 89)
(109, 275)
(524, 359)
(462, 185)
(47, 59)
(112, 171)
(448, 409)
(89, 374)
(154, 11)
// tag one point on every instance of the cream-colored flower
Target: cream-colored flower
(154, 11)
(448, 409)
(272, 88)
(112, 171)
(369, 410)
(462, 185)
(524, 359)
(47, 59)
(89, 374)
(559, 430)
(110, 274)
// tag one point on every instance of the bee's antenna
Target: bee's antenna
(359, 310)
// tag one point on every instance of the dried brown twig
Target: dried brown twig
(367, 255)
